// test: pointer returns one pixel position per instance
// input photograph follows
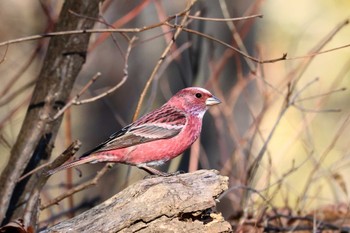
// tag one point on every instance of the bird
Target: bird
(156, 137)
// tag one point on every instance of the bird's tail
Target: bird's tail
(78, 162)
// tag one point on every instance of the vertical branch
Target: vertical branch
(162, 57)
(63, 62)
(68, 141)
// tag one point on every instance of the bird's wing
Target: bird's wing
(163, 123)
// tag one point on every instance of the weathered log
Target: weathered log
(181, 203)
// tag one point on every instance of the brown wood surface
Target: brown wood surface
(181, 203)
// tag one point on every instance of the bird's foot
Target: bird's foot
(156, 173)
(164, 174)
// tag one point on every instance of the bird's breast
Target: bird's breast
(159, 151)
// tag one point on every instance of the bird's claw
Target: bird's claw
(164, 174)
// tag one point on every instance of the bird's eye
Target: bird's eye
(198, 95)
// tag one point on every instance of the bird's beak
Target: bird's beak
(212, 101)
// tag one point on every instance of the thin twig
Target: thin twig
(283, 57)
(311, 55)
(7, 99)
(161, 13)
(9, 114)
(293, 100)
(129, 16)
(69, 172)
(62, 158)
(73, 32)
(72, 101)
(265, 199)
(341, 129)
(75, 100)
(321, 225)
(168, 60)
(321, 95)
(19, 74)
(33, 199)
(95, 30)
(236, 36)
(253, 168)
(301, 68)
(4, 57)
(162, 57)
(316, 110)
(289, 102)
(102, 21)
(226, 19)
(118, 85)
(79, 188)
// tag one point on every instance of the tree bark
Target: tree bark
(182, 203)
(64, 60)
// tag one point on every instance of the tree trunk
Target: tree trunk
(64, 60)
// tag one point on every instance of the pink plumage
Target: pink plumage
(156, 137)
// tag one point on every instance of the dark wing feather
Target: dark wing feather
(163, 123)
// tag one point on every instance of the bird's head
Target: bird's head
(194, 100)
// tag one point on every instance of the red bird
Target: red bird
(156, 137)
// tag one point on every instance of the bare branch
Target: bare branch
(283, 57)
(126, 74)
(162, 57)
(82, 91)
(80, 187)
(225, 19)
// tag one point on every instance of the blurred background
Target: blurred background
(291, 116)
